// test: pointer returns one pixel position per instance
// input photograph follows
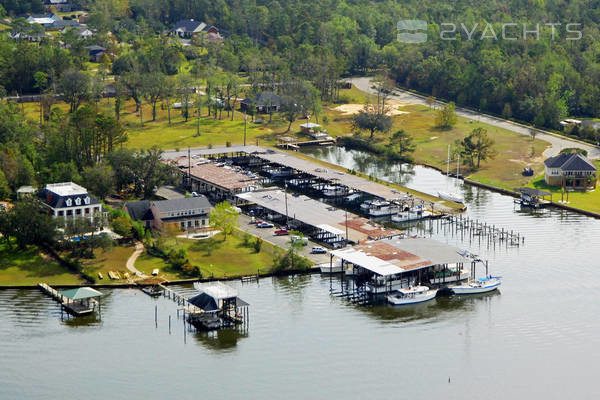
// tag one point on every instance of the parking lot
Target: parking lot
(282, 241)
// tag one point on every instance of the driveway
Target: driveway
(170, 192)
(282, 241)
(557, 142)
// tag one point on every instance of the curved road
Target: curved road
(557, 143)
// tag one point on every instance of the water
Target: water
(538, 337)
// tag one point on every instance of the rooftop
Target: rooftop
(396, 255)
(222, 176)
(186, 203)
(320, 215)
(570, 162)
(66, 189)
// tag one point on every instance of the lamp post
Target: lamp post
(245, 119)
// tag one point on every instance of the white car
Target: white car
(318, 250)
(265, 225)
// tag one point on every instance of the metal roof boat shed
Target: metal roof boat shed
(325, 223)
(398, 255)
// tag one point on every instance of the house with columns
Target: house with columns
(69, 200)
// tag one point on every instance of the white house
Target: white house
(68, 200)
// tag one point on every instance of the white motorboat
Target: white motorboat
(411, 215)
(481, 285)
(378, 208)
(334, 268)
(334, 191)
(449, 275)
(450, 196)
(411, 295)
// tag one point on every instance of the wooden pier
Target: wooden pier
(476, 228)
(76, 308)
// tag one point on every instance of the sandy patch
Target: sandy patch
(351, 109)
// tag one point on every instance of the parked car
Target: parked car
(281, 232)
(303, 240)
(318, 250)
(264, 224)
(194, 194)
(252, 220)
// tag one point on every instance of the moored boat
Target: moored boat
(481, 285)
(334, 268)
(449, 275)
(450, 196)
(378, 208)
(411, 295)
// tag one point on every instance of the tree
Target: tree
(122, 226)
(446, 116)
(402, 144)
(225, 218)
(75, 86)
(372, 120)
(168, 92)
(185, 91)
(28, 223)
(41, 82)
(533, 133)
(296, 243)
(153, 89)
(430, 101)
(99, 179)
(477, 146)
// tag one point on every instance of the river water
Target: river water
(538, 337)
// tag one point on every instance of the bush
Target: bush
(257, 244)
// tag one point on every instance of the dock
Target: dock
(74, 307)
(210, 318)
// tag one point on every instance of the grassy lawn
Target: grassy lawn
(29, 267)
(214, 257)
(113, 259)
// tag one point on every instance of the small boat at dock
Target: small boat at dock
(378, 208)
(152, 291)
(411, 295)
(450, 196)
(334, 268)
(481, 285)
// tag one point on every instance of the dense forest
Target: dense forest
(308, 45)
(539, 81)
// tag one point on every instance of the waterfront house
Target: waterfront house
(573, 171)
(190, 213)
(264, 103)
(69, 200)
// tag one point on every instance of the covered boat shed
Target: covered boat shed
(394, 259)
(320, 221)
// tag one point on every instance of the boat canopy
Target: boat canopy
(81, 293)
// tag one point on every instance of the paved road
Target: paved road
(282, 241)
(557, 143)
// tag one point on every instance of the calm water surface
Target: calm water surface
(539, 337)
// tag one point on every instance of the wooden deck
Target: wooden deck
(74, 307)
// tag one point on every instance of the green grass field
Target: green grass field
(113, 259)
(29, 267)
(214, 257)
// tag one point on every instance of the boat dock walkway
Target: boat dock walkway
(181, 300)
(76, 308)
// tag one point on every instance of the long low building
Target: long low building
(323, 222)
(314, 169)
(217, 181)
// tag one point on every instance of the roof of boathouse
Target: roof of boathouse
(317, 214)
(396, 255)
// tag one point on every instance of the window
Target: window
(69, 202)
(78, 201)
(196, 223)
(182, 224)
(61, 213)
(87, 200)
(78, 211)
(87, 210)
